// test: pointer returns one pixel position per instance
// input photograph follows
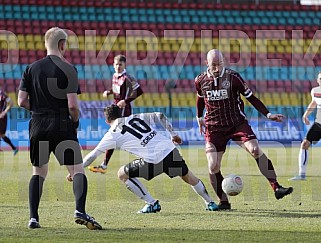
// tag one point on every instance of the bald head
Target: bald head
(215, 55)
(215, 62)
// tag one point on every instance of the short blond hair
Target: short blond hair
(120, 58)
(53, 37)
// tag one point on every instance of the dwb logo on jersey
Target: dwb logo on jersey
(220, 94)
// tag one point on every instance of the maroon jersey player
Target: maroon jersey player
(125, 89)
(219, 91)
(5, 105)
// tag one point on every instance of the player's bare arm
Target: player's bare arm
(275, 117)
(311, 107)
(259, 106)
(23, 99)
(121, 104)
(9, 105)
(73, 106)
(177, 139)
(89, 158)
(201, 124)
(107, 92)
(169, 127)
(200, 106)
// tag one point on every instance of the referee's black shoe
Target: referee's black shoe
(85, 219)
(33, 224)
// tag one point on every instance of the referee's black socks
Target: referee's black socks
(35, 192)
(80, 191)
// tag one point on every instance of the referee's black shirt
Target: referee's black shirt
(48, 81)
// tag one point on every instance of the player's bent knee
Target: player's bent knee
(190, 178)
(121, 174)
(214, 169)
(255, 155)
(255, 152)
(305, 144)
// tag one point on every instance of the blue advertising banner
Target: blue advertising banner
(92, 130)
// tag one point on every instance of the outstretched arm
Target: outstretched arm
(168, 126)
(263, 110)
(106, 143)
(89, 158)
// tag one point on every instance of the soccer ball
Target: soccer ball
(232, 185)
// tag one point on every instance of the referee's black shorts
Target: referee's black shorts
(173, 165)
(53, 135)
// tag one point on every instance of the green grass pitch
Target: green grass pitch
(256, 215)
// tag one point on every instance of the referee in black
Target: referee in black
(48, 89)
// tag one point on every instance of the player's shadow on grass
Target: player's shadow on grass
(251, 213)
(273, 213)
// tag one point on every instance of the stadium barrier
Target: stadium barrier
(93, 126)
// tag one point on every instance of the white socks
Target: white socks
(303, 161)
(136, 187)
(200, 189)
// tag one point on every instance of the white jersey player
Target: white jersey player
(138, 135)
(314, 133)
(142, 135)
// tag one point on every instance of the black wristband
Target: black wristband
(76, 124)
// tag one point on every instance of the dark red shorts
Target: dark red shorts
(219, 136)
